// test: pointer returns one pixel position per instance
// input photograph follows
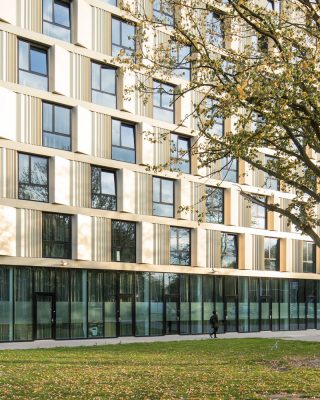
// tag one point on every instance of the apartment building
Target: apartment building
(92, 243)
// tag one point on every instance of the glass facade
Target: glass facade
(214, 205)
(56, 126)
(103, 189)
(163, 102)
(163, 197)
(180, 154)
(104, 85)
(56, 19)
(123, 142)
(58, 303)
(123, 38)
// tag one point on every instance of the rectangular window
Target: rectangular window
(309, 257)
(104, 85)
(229, 169)
(229, 250)
(56, 235)
(270, 181)
(214, 121)
(163, 197)
(123, 236)
(112, 2)
(123, 38)
(214, 205)
(181, 56)
(271, 254)
(180, 154)
(103, 189)
(163, 12)
(56, 19)
(123, 142)
(33, 65)
(33, 178)
(163, 102)
(180, 246)
(258, 215)
(215, 29)
(56, 126)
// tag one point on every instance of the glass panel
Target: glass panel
(44, 316)
(47, 10)
(208, 302)
(156, 304)
(95, 76)
(62, 120)
(284, 304)
(214, 205)
(128, 33)
(23, 304)
(125, 155)
(56, 141)
(294, 287)
(265, 314)
(23, 168)
(32, 80)
(38, 61)
(39, 170)
(243, 304)
(116, 31)
(275, 304)
(104, 99)
(254, 304)
(127, 136)
(116, 127)
(196, 303)
(123, 241)
(231, 315)
(142, 304)
(311, 299)
(110, 305)
(62, 305)
(95, 304)
(78, 298)
(23, 55)
(6, 304)
(56, 31)
(108, 80)
(167, 191)
(62, 14)
(44, 280)
(47, 117)
(108, 183)
(172, 318)
(184, 304)
(125, 317)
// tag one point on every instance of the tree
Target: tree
(255, 64)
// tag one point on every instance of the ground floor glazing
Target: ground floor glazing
(53, 303)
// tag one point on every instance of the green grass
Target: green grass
(207, 369)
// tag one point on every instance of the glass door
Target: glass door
(265, 313)
(230, 314)
(44, 316)
(172, 313)
(125, 315)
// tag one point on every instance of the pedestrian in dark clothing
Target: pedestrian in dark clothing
(214, 321)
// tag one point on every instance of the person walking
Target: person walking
(214, 321)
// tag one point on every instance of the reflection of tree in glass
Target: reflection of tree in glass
(33, 178)
(103, 189)
(123, 241)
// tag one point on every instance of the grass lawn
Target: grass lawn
(205, 369)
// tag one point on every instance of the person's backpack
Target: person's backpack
(211, 320)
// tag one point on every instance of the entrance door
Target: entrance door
(172, 312)
(44, 316)
(125, 315)
(265, 313)
(230, 314)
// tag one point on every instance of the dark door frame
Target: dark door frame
(36, 295)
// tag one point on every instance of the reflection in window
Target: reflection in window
(309, 257)
(163, 12)
(214, 205)
(214, 27)
(123, 244)
(258, 215)
(56, 19)
(56, 235)
(123, 142)
(163, 102)
(180, 154)
(163, 197)
(271, 254)
(112, 2)
(104, 90)
(216, 122)
(271, 182)
(181, 56)
(229, 250)
(180, 246)
(229, 169)
(103, 189)
(56, 126)
(33, 178)
(123, 38)
(33, 66)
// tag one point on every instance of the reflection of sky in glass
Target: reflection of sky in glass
(127, 136)
(116, 132)
(108, 80)
(47, 10)
(47, 117)
(62, 120)
(38, 61)
(107, 183)
(23, 55)
(62, 14)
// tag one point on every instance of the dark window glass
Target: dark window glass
(229, 170)
(229, 250)
(56, 235)
(163, 12)
(180, 154)
(33, 178)
(214, 28)
(216, 122)
(56, 19)
(103, 189)
(123, 241)
(123, 142)
(163, 102)
(180, 247)
(258, 215)
(271, 254)
(56, 126)
(163, 197)
(123, 38)
(104, 87)
(33, 66)
(214, 205)
(309, 257)
(181, 56)
(270, 181)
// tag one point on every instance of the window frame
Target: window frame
(257, 216)
(135, 240)
(64, 3)
(176, 159)
(167, 22)
(121, 46)
(236, 243)
(115, 95)
(178, 228)
(277, 259)
(69, 243)
(161, 92)
(312, 266)
(134, 150)
(220, 212)
(114, 172)
(54, 105)
(30, 156)
(228, 168)
(161, 179)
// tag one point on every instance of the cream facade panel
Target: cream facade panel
(80, 184)
(8, 57)
(231, 206)
(82, 23)
(245, 173)
(101, 135)
(8, 173)
(287, 256)
(127, 100)
(126, 190)
(161, 147)
(244, 212)
(101, 239)
(8, 231)
(198, 248)
(143, 193)
(29, 119)
(245, 248)
(258, 252)
(183, 198)
(59, 181)
(59, 70)
(8, 111)
(213, 249)
(145, 245)
(82, 126)
(274, 222)
(145, 147)
(144, 103)
(29, 233)
(161, 253)
(184, 109)
(8, 11)
(29, 14)
(198, 203)
(80, 77)
(81, 231)
(101, 32)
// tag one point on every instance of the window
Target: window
(309, 257)
(103, 189)
(163, 12)
(271, 254)
(229, 170)
(56, 126)
(123, 38)
(104, 87)
(123, 241)
(33, 178)
(56, 235)
(33, 66)
(180, 154)
(229, 250)
(214, 27)
(214, 205)
(163, 197)
(123, 142)
(163, 102)
(56, 19)
(112, 2)
(180, 246)
(181, 55)
(216, 122)
(258, 215)
(270, 181)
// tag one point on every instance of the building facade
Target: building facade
(93, 243)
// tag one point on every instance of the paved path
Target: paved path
(309, 335)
